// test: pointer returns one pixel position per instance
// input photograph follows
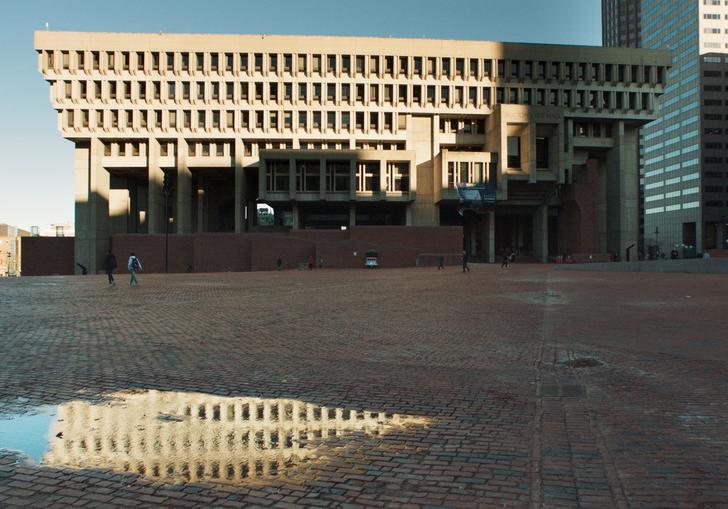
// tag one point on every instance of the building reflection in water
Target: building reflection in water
(181, 436)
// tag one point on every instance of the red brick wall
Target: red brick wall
(47, 256)
(221, 252)
(580, 211)
(397, 246)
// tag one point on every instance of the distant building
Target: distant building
(621, 23)
(335, 132)
(683, 177)
(10, 250)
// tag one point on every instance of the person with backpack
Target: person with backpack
(110, 265)
(134, 265)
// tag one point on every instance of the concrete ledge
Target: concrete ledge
(693, 265)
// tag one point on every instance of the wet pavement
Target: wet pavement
(415, 387)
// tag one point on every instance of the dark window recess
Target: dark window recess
(542, 152)
(514, 152)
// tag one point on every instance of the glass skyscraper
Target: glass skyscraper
(682, 171)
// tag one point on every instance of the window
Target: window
(308, 176)
(214, 61)
(273, 64)
(302, 64)
(317, 92)
(273, 91)
(199, 61)
(514, 152)
(345, 120)
(331, 92)
(337, 176)
(316, 63)
(417, 66)
(373, 65)
(170, 61)
(244, 62)
(367, 176)
(185, 57)
(287, 63)
(345, 64)
(302, 92)
(316, 121)
(228, 62)
(374, 93)
(398, 176)
(360, 64)
(277, 175)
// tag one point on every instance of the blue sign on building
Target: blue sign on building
(477, 197)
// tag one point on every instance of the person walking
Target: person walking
(279, 263)
(506, 260)
(465, 262)
(134, 265)
(440, 262)
(110, 265)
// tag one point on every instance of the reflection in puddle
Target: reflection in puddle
(180, 436)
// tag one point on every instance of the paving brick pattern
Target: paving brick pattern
(495, 358)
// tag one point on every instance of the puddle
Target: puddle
(28, 433)
(181, 436)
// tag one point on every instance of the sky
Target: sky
(36, 163)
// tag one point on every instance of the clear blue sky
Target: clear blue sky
(36, 172)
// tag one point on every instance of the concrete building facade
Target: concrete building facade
(11, 250)
(336, 132)
(683, 163)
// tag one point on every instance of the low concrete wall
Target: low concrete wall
(693, 265)
(47, 256)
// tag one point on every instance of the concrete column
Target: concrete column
(296, 223)
(622, 190)
(602, 212)
(183, 215)
(200, 204)
(292, 179)
(352, 179)
(352, 215)
(155, 200)
(322, 179)
(541, 233)
(491, 236)
(92, 206)
(239, 198)
(531, 154)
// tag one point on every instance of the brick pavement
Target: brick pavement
(541, 387)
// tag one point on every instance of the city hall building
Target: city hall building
(524, 147)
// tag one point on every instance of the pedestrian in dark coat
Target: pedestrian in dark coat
(109, 266)
(465, 262)
(440, 262)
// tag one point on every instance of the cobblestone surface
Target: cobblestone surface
(544, 388)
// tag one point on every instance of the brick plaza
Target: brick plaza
(539, 387)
